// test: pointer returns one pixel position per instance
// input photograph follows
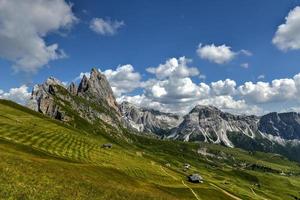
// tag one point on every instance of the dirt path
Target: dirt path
(225, 192)
(194, 193)
(256, 194)
(175, 178)
(162, 169)
(253, 191)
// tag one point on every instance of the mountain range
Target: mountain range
(94, 101)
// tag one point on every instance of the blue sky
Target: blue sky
(151, 32)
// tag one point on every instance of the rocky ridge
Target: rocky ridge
(92, 99)
(209, 124)
(149, 120)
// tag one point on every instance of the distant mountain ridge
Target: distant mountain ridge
(149, 120)
(210, 124)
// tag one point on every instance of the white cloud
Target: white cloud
(229, 104)
(179, 95)
(23, 26)
(287, 36)
(262, 76)
(217, 54)
(226, 87)
(172, 90)
(173, 84)
(105, 27)
(279, 90)
(202, 76)
(174, 68)
(245, 65)
(123, 80)
(20, 95)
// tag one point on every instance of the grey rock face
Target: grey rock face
(42, 95)
(96, 88)
(209, 124)
(73, 88)
(92, 100)
(284, 125)
(148, 120)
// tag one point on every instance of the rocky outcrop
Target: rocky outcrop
(97, 89)
(148, 120)
(93, 100)
(43, 94)
(209, 124)
(73, 88)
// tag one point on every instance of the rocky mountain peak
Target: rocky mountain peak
(53, 81)
(208, 123)
(206, 111)
(97, 88)
(73, 88)
(93, 99)
(198, 108)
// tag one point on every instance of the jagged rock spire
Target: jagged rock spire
(73, 88)
(97, 88)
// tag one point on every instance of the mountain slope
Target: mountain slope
(43, 158)
(92, 101)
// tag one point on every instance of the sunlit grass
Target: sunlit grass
(44, 159)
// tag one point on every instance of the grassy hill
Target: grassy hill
(41, 158)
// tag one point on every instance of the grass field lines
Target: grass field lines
(57, 142)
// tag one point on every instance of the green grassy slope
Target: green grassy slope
(41, 158)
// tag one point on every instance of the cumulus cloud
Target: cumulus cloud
(105, 27)
(23, 27)
(181, 94)
(173, 83)
(262, 76)
(245, 65)
(221, 87)
(219, 54)
(174, 68)
(277, 91)
(20, 95)
(172, 90)
(287, 36)
(229, 104)
(202, 76)
(124, 79)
